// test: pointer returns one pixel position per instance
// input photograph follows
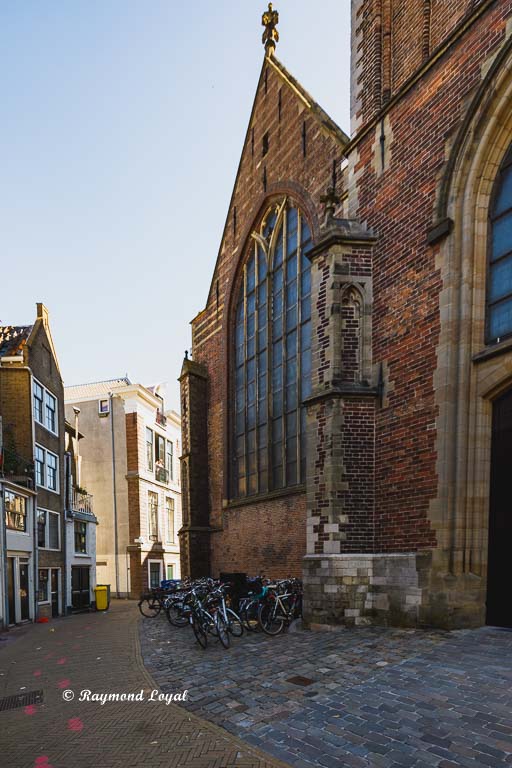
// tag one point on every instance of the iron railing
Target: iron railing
(81, 502)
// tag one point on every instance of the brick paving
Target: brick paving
(100, 652)
(367, 697)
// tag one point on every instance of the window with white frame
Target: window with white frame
(38, 402)
(51, 471)
(153, 515)
(51, 412)
(45, 408)
(15, 512)
(103, 407)
(169, 514)
(43, 585)
(169, 459)
(40, 466)
(47, 469)
(149, 449)
(48, 529)
(80, 537)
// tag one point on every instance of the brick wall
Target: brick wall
(398, 203)
(270, 534)
(15, 409)
(268, 537)
(392, 40)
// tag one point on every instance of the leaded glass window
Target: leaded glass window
(272, 355)
(499, 289)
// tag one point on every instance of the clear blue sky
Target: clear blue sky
(121, 127)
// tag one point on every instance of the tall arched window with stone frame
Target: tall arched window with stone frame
(271, 355)
(499, 276)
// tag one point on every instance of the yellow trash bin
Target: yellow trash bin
(101, 598)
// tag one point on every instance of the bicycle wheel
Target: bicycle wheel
(199, 631)
(149, 606)
(235, 625)
(176, 615)
(249, 616)
(222, 629)
(270, 620)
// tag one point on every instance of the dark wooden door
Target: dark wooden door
(80, 592)
(24, 591)
(11, 619)
(55, 591)
(499, 572)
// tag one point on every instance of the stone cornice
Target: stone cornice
(341, 232)
(340, 392)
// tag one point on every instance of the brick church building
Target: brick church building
(347, 411)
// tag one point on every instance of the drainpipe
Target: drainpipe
(3, 559)
(76, 411)
(68, 527)
(116, 547)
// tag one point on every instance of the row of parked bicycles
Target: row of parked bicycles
(223, 609)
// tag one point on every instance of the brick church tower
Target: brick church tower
(353, 364)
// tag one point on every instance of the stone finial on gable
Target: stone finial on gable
(270, 36)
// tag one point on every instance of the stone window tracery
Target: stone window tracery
(272, 355)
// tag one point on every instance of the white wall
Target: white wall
(85, 560)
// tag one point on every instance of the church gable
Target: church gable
(290, 148)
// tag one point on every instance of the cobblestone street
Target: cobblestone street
(99, 652)
(364, 697)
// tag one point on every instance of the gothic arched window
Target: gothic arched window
(499, 292)
(272, 355)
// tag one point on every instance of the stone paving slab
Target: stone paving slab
(368, 697)
(101, 652)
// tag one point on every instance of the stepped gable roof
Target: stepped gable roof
(13, 338)
(95, 388)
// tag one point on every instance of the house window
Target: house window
(45, 408)
(43, 586)
(499, 289)
(15, 512)
(153, 515)
(170, 571)
(103, 407)
(51, 471)
(155, 573)
(51, 412)
(160, 471)
(47, 469)
(53, 530)
(272, 355)
(48, 529)
(38, 402)
(40, 466)
(149, 449)
(80, 537)
(41, 528)
(169, 514)
(169, 459)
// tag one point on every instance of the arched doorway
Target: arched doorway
(499, 573)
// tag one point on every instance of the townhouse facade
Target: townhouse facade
(35, 484)
(81, 526)
(130, 464)
(18, 593)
